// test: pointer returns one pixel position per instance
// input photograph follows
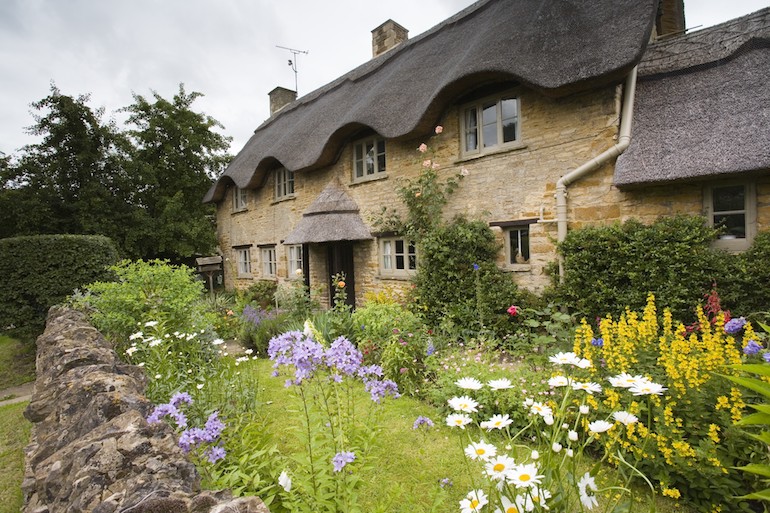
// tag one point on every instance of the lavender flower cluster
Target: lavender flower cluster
(192, 437)
(734, 325)
(256, 316)
(298, 350)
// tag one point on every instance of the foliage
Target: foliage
(261, 292)
(41, 271)
(339, 318)
(538, 332)
(293, 297)
(258, 326)
(688, 444)
(141, 187)
(607, 268)
(222, 306)
(17, 360)
(151, 291)
(458, 285)
(747, 290)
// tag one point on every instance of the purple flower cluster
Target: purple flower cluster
(256, 316)
(167, 409)
(752, 347)
(735, 325)
(597, 342)
(342, 358)
(422, 421)
(341, 459)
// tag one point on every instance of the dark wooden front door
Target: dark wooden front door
(340, 260)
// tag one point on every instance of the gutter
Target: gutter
(624, 139)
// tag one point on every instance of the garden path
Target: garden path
(16, 394)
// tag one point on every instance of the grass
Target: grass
(14, 435)
(17, 362)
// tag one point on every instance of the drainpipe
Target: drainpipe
(624, 139)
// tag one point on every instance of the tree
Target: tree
(176, 154)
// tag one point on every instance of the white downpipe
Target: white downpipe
(624, 139)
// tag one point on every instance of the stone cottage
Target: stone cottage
(559, 114)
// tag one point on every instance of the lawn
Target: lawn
(17, 362)
(14, 435)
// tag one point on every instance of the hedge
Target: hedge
(42, 270)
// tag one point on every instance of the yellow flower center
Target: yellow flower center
(524, 477)
(512, 509)
(480, 451)
(499, 467)
(474, 504)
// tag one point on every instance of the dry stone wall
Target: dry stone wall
(91, 448)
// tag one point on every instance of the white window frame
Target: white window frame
(294, 261)
(478, 108)
(240, 199)
(730, 242)
(523, 236)
(243, 261)
(394, 263)
(269, 262)
(371, 163)
(284, 183)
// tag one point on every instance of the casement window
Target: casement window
(516, 236)
(294, 260)
(240, 199)
(243, 261)
(490, 124)
(398, 257)
(733, 209)
(269, 263)
(284, 183)
(369, 159)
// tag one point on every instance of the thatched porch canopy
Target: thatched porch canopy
(332, 217)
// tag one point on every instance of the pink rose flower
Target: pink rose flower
(423, 148)
(513, 310)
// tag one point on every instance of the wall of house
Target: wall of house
(556, 135)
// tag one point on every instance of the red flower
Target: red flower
(513, 310)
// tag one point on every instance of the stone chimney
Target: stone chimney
(387, 36)
(280, 97)
(670, 19)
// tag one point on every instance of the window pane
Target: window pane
(381, 155)
(489, 125)
(471, 130)
(729, 198)
(400, 261)
(359, 160)
(387, 251)
(412, 262)
(400, 247)
(510, 114)
(290, 185)
(519, 244)
(369, 158)
(734, 225)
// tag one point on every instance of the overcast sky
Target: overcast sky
(225, 49)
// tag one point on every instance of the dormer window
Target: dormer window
(490, 124)
(240, 199)
(368, 159)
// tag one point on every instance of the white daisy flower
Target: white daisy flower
(458, 420)
(569, 358)
(599, 426)
(541, 409)
(585, 484)
(496, 422)
(469, 383)
(556, 447)
(625, 417)
(588, 387)
(480, 451)
(648, 388)
(625, 380)
(512, 506)
(559, 381)
(572, 435)
(150, 324)
(136, 335)
(500, 384)
(473, 502)
(285, 481)
(584, 409)
(497, 468)
(463, 403)
(218, 342)
(524, 476)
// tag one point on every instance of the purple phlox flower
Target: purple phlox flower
(167, 409)
(735, 325)
(370, 370)
(214, 426)
(445, 483)
(336, 378)
(343, 356)
(180, 397)
(431, 349)
(752, 347)
(296, 349)
(379, 389)
(341, 459)
(215, 454)
(256, 316)
(598, 342)
(192, 437)
(476, 267)
(766, 357)
(422, 421)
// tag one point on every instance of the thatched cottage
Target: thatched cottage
(560, 113)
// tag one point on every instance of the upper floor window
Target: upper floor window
(398, 257)
(243, 260)
(269, 263)
(491, 123)
(368, 159)
(284, 183)
(294, 260)
(733, 209)
(240, 199)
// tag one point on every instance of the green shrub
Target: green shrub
(749, 290)
(609, 268)
(258, 326)
(152, 291)
(42, 270)
(261, 292)
(458, 281)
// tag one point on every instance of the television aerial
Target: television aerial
(293, 62)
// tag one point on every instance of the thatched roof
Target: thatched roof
(333, 216)
(554, 46)
(702, 106)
